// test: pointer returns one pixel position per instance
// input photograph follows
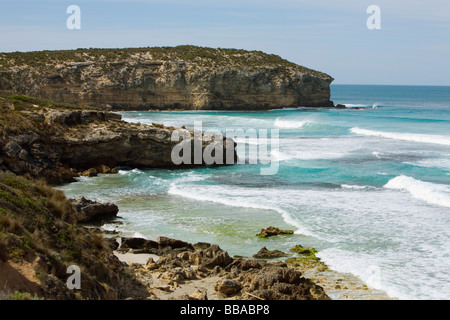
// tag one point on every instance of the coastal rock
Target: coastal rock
(139, 243)
(164, 242)
(273, 231)
(214, 256)
(60, 145)
(88, 210)
(199, 295)
(184, 77)
(237, 278)
(282, 283)
(228, 287)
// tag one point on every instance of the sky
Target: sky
(411, 48)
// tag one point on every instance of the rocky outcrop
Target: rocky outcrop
(233, 278)
(92, 211)
(265, 253)
(273, 231)
(186, 77)
(40, 239)
(61, 144)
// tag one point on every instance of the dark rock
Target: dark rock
(164, 242)
(138, 243)
(58, 144)
(198, 295)
(201, 245)
(92, 172)
(89, 211)
(214, 256)
(281, 283)
(112, 243)
(247, 264)
(11, 149)
(272, 231)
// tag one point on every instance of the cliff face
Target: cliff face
(45, 140)
(184, 77)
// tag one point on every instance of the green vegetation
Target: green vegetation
(49, 61)
(18, 113)
(306, 256)
(24, 296)
(38, 222)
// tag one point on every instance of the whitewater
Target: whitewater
(367, 186)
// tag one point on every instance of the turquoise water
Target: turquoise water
(369, 188)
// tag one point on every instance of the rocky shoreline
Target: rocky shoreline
(172, 269)
(59, 142)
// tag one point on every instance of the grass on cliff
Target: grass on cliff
(38, 222)
(52, 61)
(18, 112)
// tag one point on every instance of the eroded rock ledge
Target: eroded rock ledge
(58, 145)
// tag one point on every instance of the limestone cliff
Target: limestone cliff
(186, 77)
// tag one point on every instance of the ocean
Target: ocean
(367, 186)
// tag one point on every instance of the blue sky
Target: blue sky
(412, 47)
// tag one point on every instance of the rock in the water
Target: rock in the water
(88, 210)
(264, 253)
(273, 231)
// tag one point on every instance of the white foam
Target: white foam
(415, 137)
(364, 266)
(433, 193)
(291, 124)
(190, 176)
(356, 187)
(236, 197)
(357, 105)
(312, 149)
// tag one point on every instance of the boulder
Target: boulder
(138, 243)
(198, 295)
(273, 231)
(89, 211)
(228, 287)
(165, 242)
(264, 253)
(214, 256)
(11, 149)
(282, 283)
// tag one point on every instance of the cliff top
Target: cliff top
(217, 58)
